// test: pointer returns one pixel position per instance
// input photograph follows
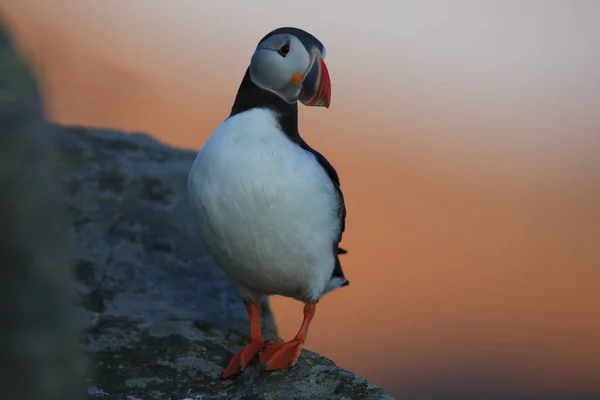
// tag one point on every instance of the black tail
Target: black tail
(342, 251)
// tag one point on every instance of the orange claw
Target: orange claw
(281, 355)
(284, 355)
(242, 357)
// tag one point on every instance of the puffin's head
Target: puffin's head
(290, 63)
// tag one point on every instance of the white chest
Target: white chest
(266, 208)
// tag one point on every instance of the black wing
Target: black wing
(333, 175)
(288, 120)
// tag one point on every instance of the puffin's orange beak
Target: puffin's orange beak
(316, 87)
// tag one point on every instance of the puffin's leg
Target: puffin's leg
(285, 355)
(240, 360)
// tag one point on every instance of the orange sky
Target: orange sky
(467, 138)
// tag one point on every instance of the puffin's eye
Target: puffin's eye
(285, 49)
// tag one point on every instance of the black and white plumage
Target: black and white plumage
(269, 206)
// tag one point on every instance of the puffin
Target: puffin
(269, 207)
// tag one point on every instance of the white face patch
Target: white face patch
(273, 72)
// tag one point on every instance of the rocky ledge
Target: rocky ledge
(160, 319)
(156, 318)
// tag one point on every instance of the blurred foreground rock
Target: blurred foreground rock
(38, 357)
(157, 319)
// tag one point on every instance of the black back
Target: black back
(308, 40)
(251, 96)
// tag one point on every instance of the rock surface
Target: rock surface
(157, 319)
(38, 352)
(161, 321)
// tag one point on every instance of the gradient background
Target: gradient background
(467, 137)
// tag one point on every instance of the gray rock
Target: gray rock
(157, 319)
(161, 320)
(38, 351)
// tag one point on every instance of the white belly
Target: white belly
(266, 209)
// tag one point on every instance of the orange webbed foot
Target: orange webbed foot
(268, 351)
(242, 358)
(281, 355)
